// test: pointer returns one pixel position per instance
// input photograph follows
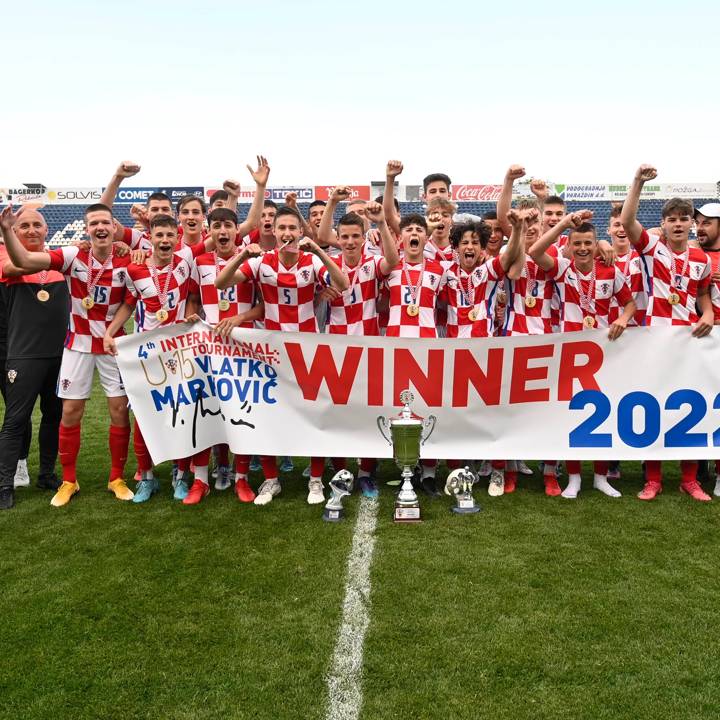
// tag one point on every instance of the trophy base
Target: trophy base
(407, 514)
(332, 515)
(466, 510)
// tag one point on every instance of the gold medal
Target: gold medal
(162, 315)
(473, 315)
(88, 302)
(530, 301)
(224, 304)
(412, 310)
(43, 295)
(589, 322)
(673, 298)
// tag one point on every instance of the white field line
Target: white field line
(344, 680)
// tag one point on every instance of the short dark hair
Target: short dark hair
(287, 210)
(163, 221)
(97, 207)
(158, 196)
(481, 229)
(380, 198)
(219, 195)
(586, 227)
(185, 199)
(436, 177)
(490, 215)
(413, 219)
(616, 211)
(351, 219)
(554, 200)
(679, 206)
(316, 203)
(222, 214)
(270, 203)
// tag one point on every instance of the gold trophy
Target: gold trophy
(406, 433)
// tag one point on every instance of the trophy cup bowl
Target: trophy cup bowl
(406, 433)
(339, 488)
(459, 483)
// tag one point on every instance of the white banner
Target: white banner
(654, 393)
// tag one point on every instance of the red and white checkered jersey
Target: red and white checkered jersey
(521, 319)
(714, 257)
(142, 290)
(86, 327)
(433, 252)
(630, 265)
(434, 278)
(658, 259)
(137, 239)
(288, 292)
(465, 291)
(609, 283)
(239, 296)
(355, 311)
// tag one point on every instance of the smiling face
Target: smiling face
(413, 238)
(583, 246)
(100, 229)
(708, 231)
(618, 236)
(224, 233)
(469, 250)
(496, 238)
(31, 230)
(158, 207)
(315, 215)
(163, 239)
(552, 215)
(191, 218)
(351, 239)
(287, 229)
(532, 227)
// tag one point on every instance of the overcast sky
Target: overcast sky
(575, 91)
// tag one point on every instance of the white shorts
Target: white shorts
(76, 375)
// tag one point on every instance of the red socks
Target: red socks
(68, 449)
(144, 461)
(119, 439)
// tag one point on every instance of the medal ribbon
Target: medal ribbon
(413, 290)
(673, 266)
(93, 281)
(162, 294)
(587, 300)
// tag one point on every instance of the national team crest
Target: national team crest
(181, 270)
(432, 280)
(12, 374)
(605, 287)
(171, 365)
(305, 274)
(65, 384)
(121, 276)
(366, 270)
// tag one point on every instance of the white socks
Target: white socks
(428, 472)
(601, 483)
(201, 474)
(240, 476)
(573, 486)
(363, 473)
(716, 491)
(147, 475)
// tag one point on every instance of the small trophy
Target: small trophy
(459, 483)
(406, 433)
(340, 487)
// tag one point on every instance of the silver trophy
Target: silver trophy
(340, 487)
(406, 433)
(459, 483)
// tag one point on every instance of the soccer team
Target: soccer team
(532, 269)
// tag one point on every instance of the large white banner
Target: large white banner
(654, 393)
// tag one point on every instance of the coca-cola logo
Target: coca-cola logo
(476, 193)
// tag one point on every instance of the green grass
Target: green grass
(534, 608)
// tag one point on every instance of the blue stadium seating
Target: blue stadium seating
(65, 222)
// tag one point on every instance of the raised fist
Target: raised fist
(374, 212)
(253, 250)
(393, 168)
(340, 193)
(539, 189)
(646, 173)
(291, 200)
(231, 187)
(515, 172)
(127, 169)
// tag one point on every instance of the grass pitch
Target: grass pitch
(534, 608)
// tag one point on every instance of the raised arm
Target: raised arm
(338, 278)
(307, 228)
(230, 275)
(125, 170)
(339, 194)
(24, 262)
(538, 250)
(260, 175)
(375, 213)
(515, 248)
(515, 172)
(392, 170)
(628, 216)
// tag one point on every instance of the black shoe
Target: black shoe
(48, 482)
(702, 471)
(429, 487)
(7, 498)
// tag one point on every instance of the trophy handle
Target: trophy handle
(383, 428)
(428, 423)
